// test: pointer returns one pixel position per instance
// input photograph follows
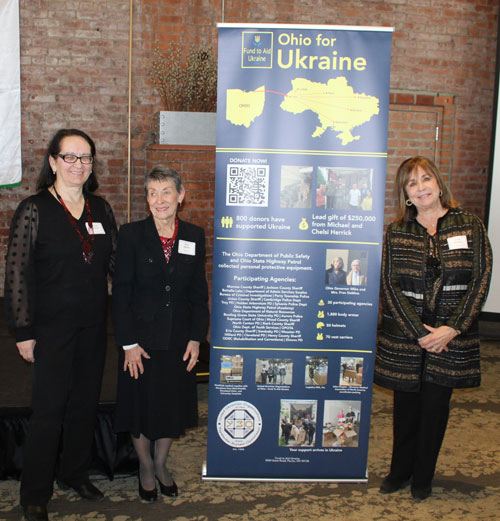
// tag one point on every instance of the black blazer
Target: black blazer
(159, 305)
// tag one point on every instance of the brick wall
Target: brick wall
(74, 73)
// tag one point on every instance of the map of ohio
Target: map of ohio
(243, 107)
(335, 103)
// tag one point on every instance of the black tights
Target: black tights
(150, 467)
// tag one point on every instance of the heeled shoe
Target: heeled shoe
(170, 491)
(148, 495)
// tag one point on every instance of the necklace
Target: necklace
(430, 223)
(168, 244)
(87, 244)
(430, 226)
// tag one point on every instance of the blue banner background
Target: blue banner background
(281, 216)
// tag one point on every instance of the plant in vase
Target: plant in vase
(188, 90)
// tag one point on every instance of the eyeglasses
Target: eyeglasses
(71, 158)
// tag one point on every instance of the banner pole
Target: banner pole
(129, 151)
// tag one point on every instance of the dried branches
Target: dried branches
(189, 86)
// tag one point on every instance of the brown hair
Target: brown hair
(405, 212)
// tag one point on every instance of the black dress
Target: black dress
(160, 306)
(162, 402)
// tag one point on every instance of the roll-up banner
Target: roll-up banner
(299, 201)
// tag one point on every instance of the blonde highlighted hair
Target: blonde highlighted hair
(405, 212)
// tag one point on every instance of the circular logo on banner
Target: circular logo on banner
(239, 424)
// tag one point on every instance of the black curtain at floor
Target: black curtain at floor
(112, 453)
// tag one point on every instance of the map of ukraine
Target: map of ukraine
(335, 103)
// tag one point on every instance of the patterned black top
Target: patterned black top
(439, 280)
(46, 277)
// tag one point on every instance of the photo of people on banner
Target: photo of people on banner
(346, 268)
(316, 370)
(351, 371)
(341, 423)
(337, 188)
(273, 371)
(297, 422)
(296, 186)
(343, 188)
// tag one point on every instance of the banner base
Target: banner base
(204, 477)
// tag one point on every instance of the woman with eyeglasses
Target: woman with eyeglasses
(436, 270)
(61, 249)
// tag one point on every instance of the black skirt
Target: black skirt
(162, 402)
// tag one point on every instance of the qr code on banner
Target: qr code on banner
(247, 185)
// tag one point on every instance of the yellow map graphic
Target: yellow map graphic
(336, 104)
(243, 107)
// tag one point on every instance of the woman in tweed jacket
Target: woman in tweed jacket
(436, 270)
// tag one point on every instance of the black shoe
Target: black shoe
(392, 484)
(421, 493)
(85, 490)
(170, 491)
(35, 513)
(147, 495)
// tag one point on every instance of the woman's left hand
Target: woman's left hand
(438, 338)
(192, 352)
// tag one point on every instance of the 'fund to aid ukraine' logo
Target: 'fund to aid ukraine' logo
(256, 50)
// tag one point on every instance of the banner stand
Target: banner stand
(301, 155)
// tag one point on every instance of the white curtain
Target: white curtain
(10, 95)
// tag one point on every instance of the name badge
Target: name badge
(458, 242)
(187, 247)
(97, 227)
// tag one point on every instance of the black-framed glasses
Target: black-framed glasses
(71, 158)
